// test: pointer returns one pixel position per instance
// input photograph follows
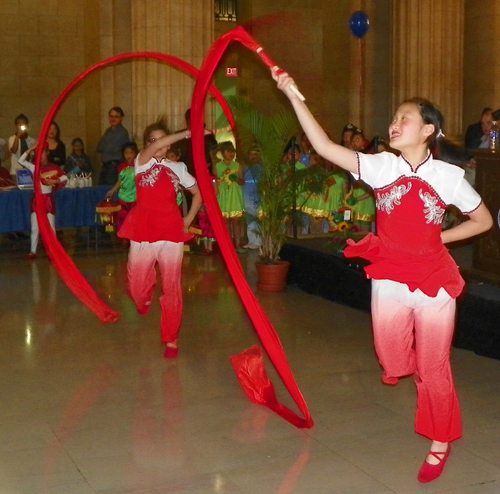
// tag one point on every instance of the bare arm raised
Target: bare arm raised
(156, 145)
(341, 156)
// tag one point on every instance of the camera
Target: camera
(23, 127)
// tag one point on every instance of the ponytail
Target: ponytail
(445, 150)
(440, 147)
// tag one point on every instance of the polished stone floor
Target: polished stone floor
(92, 408)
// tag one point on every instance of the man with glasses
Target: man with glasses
(110, 146)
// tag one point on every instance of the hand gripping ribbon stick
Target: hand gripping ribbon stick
(269, 62)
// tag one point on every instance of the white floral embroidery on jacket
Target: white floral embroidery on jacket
(389, 199)
(150, 177)
(433, 212)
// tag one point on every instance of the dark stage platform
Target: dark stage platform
(316, 269)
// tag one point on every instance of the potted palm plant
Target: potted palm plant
(282, 187)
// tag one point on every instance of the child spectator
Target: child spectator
(230, 198)
(51, 178)
(78, 161)
(125, 185)
(251, 197)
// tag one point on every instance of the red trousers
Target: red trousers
(142, 260)
(413, 334)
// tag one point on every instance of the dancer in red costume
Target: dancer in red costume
(415, 280)
(52, 178)
(157, 231)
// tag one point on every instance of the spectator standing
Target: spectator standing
(125, 185)
(110, 146)
(186, 149)
(57, 149)
(52, 178)
(19, 143)
(251, 197)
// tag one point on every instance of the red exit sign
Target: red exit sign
(232, 72)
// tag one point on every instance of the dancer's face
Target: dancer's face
(407, 128)
(154, 136)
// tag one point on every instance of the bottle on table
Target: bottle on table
(494, 136)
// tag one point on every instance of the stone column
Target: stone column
(427, 56)
(180, 28)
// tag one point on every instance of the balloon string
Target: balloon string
(361, 82)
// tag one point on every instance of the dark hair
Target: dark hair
(21, 116)
(358, 132)
(347, 128)
(77, 139)
(160, 124)
(176, 150)
(187, 115)
(440, 147)
(226, 146)
(291, 144)
(130, 145)
(117, 109)
(486, 111)
(58, 130)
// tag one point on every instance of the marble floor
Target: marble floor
(88, 408)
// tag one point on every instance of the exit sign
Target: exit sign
(232, 72)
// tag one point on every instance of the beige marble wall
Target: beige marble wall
(42, 50)
(481, 56)
(428, 56)
(182, 29)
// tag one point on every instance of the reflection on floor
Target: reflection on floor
(91, 408)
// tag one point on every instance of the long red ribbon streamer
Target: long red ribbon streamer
(59, 257)
(263, 326)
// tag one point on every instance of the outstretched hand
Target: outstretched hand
(286, 83)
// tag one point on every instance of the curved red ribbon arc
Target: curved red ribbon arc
(63, 264)
(263, 326)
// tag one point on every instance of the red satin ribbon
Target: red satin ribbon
(77, 283)
(263, 326)
(59, 257)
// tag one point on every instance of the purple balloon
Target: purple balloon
(359, 23)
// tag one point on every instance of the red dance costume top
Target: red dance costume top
(48, 171)
(410, 209)
(156, 215)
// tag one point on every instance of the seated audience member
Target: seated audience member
(358, 141)
(347, 133)
(78, 162)
(477, 134)
(19, 143)
(305, 149)
(57, 149)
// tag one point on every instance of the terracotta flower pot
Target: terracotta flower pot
(272, 277)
